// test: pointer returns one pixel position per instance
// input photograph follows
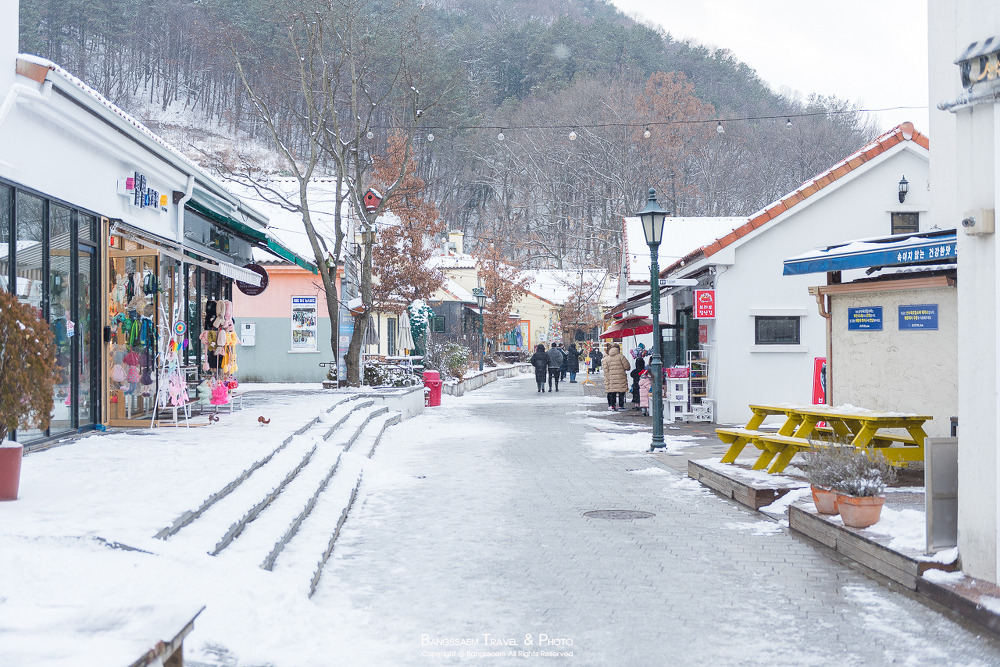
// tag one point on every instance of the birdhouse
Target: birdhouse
(372, 199)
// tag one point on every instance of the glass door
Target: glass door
(87, 348)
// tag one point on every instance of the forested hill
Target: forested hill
(642, 107)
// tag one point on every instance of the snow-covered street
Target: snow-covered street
(467, 542)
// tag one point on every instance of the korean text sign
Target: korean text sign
(704, 304)
(920, 316)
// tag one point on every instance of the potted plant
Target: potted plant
(827, 464)
(28, 369)
(859, 491)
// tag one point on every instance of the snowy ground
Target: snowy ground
(469, 521)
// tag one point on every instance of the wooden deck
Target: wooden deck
(752, 494)
(868, 550)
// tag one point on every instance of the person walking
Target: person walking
(556, 358)
(595, 359)
(565, 367)
(616, 369)
(572, 362)
(640, 366)
(540, 361)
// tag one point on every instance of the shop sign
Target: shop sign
(704, 304)
(142, 195)
(304, 322)
(254, 290)
(868, 318)
(922, 316)
(979, 68)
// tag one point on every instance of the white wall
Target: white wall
(898, 371)
(964, 169)
(67, 153)
(858, 207)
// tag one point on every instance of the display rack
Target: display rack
(701, 407)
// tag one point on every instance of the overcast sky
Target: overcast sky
(873, 52)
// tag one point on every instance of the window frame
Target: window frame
(900, 222)
(760, 319)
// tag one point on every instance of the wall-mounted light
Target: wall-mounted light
(904, 187)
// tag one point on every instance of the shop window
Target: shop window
(437, 324)
(30, 273)
(60, 314)
(905, 223)
(776, 330)
(6, 223)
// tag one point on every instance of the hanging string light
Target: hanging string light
(500, 136)
(370, 134)
(647, 132)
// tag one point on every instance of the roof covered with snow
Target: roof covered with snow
(815, 185)
(680, 237)
(558, 285)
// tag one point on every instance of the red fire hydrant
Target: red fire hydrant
(432, 387)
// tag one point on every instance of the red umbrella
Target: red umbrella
(630, 325)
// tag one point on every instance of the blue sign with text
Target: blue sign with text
(868, 318)
(921, 316)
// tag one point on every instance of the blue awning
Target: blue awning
(929, 247)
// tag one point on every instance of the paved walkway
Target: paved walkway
(477, 532)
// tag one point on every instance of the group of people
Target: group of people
(558, 361)
(555, 363)
(616, 380)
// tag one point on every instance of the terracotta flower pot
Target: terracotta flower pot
(10, 470)
(860, 512)
(825, 500)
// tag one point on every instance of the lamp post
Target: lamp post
(481, 300)
(653, 217)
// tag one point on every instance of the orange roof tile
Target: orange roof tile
(902, 132)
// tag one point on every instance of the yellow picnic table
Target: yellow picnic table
(861, 428)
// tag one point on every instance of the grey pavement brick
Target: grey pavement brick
(492, 539)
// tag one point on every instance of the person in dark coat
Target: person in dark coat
(595, 359)
(562, 369)
(640, 366)
(540, 361)
(556, 359)
(572, 362)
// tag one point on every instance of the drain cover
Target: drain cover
(621, 515)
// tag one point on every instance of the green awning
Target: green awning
(261, 239)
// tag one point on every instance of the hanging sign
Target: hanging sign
(921, 316)
(254, 290)
(868, 318)
(704, 304)
(180, 328)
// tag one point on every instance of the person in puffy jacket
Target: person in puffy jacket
(556, 358)
(572, 362)
(645, 384)
(616, 369)
(540, 361)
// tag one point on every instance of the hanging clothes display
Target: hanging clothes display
(220, 340)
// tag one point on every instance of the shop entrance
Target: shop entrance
(132, 288)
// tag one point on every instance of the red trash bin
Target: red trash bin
(432, 381)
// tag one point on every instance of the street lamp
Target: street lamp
(653, 217)
(481, 300)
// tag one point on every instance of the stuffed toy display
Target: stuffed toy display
(219, 340)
